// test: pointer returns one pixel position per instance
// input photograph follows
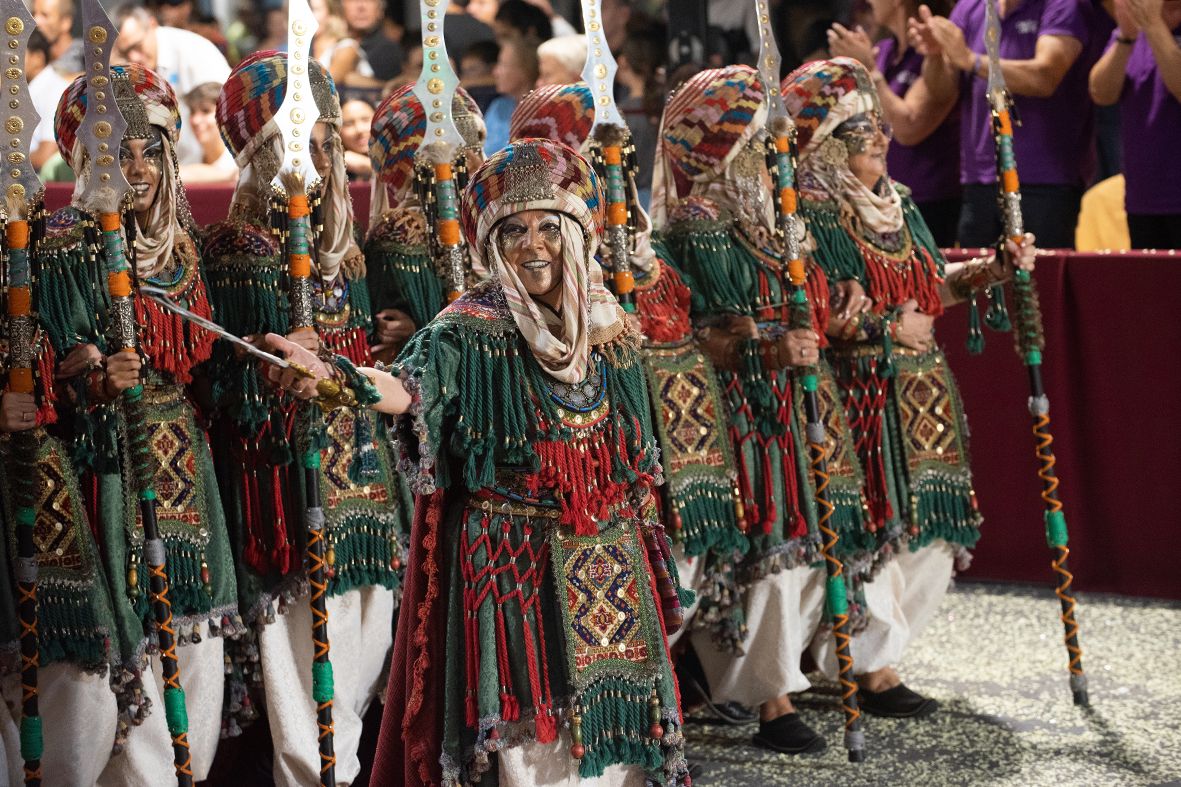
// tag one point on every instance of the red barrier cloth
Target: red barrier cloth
(211, 202)
(1113, 375)
(1112, 370)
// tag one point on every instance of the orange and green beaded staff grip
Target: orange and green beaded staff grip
(447, 233)
(20, 308)
(623, 281)
(299, 261)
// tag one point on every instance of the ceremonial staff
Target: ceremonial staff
(613, 155)
(1031, 342)
(23, 195)
(782, 161)
(442, 147)
(297, 174)
(101, 132)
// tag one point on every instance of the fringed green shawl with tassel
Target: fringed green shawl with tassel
(261, 430)
(401, 273)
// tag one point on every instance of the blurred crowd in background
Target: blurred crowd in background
(1098, 85)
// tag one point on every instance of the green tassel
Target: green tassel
(615, 722)
(403, 277)
(997, 316)
(975, 334)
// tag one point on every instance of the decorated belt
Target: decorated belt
(875, 350)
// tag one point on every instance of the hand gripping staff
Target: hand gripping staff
(23, 195)
(782, 160)
(442, 147)
(101, 133)
(613, 155)
(1031, 342)
(296, 117)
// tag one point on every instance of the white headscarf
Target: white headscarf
(588, 314)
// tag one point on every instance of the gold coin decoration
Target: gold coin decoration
(14, 26)
(16, 190)
(14, 125)
(97, 35)
(102, 129)
(435, 85)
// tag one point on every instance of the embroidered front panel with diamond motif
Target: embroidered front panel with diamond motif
(201, 583)
(941, 500)
(75, 620)
(611, 620)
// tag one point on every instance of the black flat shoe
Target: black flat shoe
(897, 703)
(788, 735)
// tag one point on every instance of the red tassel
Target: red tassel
(173, 344)
(352, 343)
(663, 308)
(46, 362)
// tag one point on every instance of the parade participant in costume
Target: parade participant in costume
(80, 658)
(261, 432)
(406, 286)
(163, 253)
(710, 194)
(698, 502)
(539, 578)
(900, 397)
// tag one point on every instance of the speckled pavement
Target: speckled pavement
(994, 659)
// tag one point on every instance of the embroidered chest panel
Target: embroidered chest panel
(931, 413)
(691, 424)
(58, 531)
(608, 604)
(340, 426)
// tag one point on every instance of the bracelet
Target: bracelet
(873, 325)
(851, 328)
(975, 276)
(1125, 41)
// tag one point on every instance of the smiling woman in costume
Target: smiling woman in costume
(539, 580)
(698, 502)
(163, 251)
(863, 227)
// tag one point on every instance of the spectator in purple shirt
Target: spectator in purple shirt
(1141, 70)
(1047, 49)
(925, 155)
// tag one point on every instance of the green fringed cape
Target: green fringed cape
(400, 270)
(540, 582)
(912, 436)
(261, 433)
(701, 483)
